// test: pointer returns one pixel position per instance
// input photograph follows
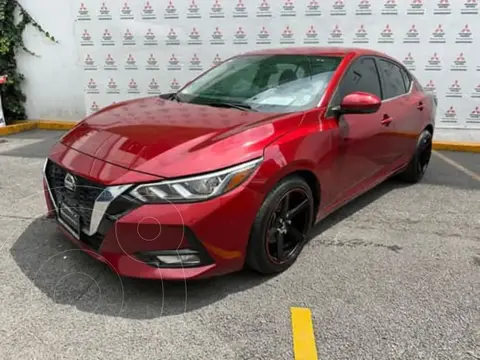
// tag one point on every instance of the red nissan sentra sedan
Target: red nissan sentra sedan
(237, 166)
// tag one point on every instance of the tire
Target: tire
(261, 251)
(418, 164)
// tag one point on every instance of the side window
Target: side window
(361, 76)
(406, 79)
(393, 79)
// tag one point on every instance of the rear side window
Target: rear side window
(393, 79)
(361, 76)
(406, 79)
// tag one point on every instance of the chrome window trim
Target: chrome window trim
(409, 91)
(100, 206)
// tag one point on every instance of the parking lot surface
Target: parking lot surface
(393, 275)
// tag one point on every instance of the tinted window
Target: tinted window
(406, 79)
(361, 76)
(393, 80)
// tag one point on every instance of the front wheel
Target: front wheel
(281, 226)
(420, 160)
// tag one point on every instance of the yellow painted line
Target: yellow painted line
(304, 347)
(16, 128)
(456, 146)
(458, 166)
(55, 125)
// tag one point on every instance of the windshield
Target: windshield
(266, 83)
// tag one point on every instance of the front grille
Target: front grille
(82, 199)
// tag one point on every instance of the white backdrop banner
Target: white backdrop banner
(143, 48)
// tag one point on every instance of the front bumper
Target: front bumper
(127, 238)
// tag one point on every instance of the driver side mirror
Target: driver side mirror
(359, 103)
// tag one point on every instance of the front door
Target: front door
(358, 136)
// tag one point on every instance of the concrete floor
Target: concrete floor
(393, 275)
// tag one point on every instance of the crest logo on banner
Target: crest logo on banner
(152, 63)
(454, 90)
(83, 13)
(240, 10)
(89, 64)
(412, 36)
(195, 63)
(112, 87)
(364, 8)
(131, 63)
(443, 8)
(438, 36)
(194, 37)
(416, 8)
(311, 36)
(216, 60)
(287, 36)
(110, 63)
(86, 39)
(450, 116)
(174, 85)
(217, 37)
(133, 87)
(390, 7)
(430, 87)
(474, 116)
(288, 9)
(126, 12)
(361, 36)
(470, 7)
(173, 63)
(193, 11)
(172, 38)
(264, 9)
(170, 11)
(216, 11)
(263, 37)
(240, 37)
(150, 38)
(153, 88)
(148, 13)
(464, 36)
(338, 8)
(459, 64)
(104, 13)
(409, 62)
(386, 36)
(336, 36)
(476, 92)
(129, 39)
(313, 8)
(107, 38)
(94, 107)
(92, 87)
(434, 63)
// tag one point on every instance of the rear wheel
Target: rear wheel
(280, 229)
(419, 163)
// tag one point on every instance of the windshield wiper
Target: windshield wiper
(242, 107)
(176, 97)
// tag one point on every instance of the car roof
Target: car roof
(316, 50)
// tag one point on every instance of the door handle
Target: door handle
(386, 120)
(420, 106)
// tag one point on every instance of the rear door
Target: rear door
(403, 107)
(359, 136)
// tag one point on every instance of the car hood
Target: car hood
(171, 139)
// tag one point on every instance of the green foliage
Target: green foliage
(11, 42)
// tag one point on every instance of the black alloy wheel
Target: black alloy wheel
(419, 163)
(281, 226)
(287, 226)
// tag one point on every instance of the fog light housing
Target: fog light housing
(179, 259)
(172, 258)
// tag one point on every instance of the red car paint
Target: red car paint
(150, 139)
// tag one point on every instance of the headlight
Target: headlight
(196, 188)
